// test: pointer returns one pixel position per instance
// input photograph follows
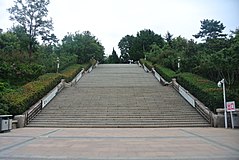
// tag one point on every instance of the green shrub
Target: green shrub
(4, 88)
(3, 108)
(166, 73)
(141, 61)
(20, 100)
(148, 64)
(88, 65)
(206, 91)
(70, 72)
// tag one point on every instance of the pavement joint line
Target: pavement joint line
(27, 141)
(120, 158)
(17, 136)
(88, 137)
(49, 133)
(17, 144)
(211, 141)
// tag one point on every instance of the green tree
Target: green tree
(146, 38)
(22, 36)
(211, 29)
(169, 38)
(155, 54)
(84, 45)
(50, 39)
(125, 46)
(31, 15)
(113, 58)
(136, 47)
(9, 42)
(179, 44)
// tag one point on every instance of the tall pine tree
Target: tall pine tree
(113, 58)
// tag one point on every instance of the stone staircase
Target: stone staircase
(118, 95)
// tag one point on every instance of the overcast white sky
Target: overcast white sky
(110, 20)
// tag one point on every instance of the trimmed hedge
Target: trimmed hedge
(20, 100)
(166, 73)
(148, 64)
(205, 90)
(70, 72)
(88, 65)
(23, 98)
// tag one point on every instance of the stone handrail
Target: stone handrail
(90, 69)
(145, 68)
(32, 112)
(199, 106)
(36, 108)
(159, 78)
(193, 101)
(75, 80)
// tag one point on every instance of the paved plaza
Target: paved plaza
(120, 144)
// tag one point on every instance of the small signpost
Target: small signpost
(230, 108)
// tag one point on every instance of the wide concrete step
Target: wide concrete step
(117, 117)
(119, 111)
(119, 125)
(83, 114)
(116, 120)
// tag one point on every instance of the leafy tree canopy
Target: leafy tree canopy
(169, 38)
(135, 47)
(85, 45)
(211, 29)
(31, 15)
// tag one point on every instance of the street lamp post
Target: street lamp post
(58, 64)
(179, 59)
(222, 82)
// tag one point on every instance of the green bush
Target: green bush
(141, 61)
(206, 91)
(21, 99)
(166, 73)
(4, 88)
(18, 101)
(88, 65)
(70, 72)
(148, 64)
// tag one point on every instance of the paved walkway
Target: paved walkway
(120, 144)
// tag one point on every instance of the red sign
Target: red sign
(231, 106)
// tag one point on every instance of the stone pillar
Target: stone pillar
(63, 82)
(20, 121)
(219, 120)
(175, 84)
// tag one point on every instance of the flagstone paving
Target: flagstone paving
(120, 144)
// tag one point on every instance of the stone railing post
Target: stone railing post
(175, 84)
(20, 120)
